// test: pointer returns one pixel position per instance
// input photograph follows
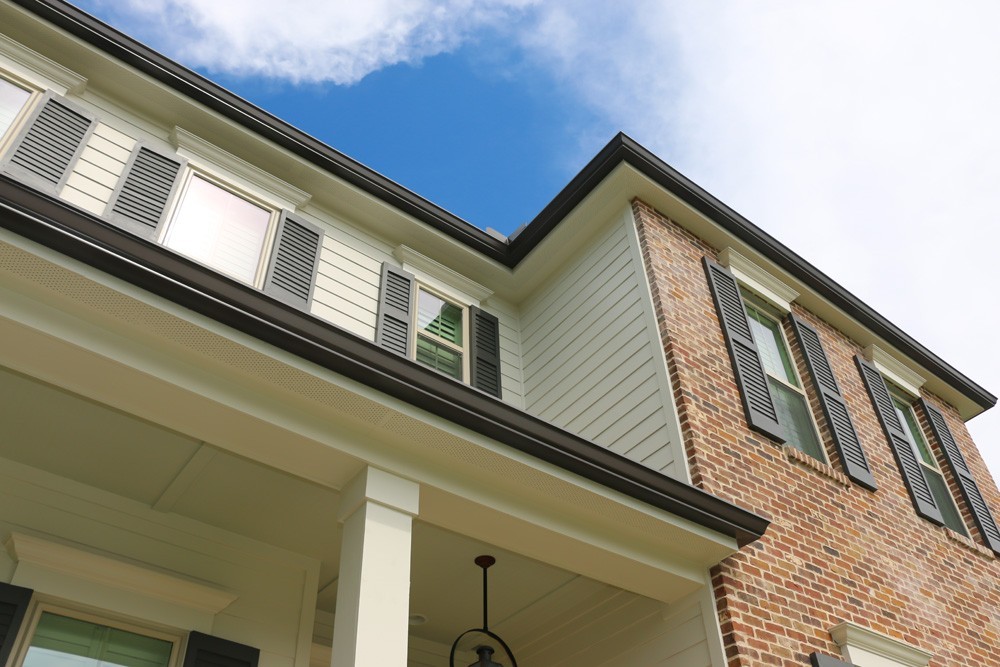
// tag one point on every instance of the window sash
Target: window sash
(221, 229)
(436, 348)
(13, 100)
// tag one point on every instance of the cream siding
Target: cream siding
(591, 360)
(94, 176)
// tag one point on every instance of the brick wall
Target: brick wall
(834, 552)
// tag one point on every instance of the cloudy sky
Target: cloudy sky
(864, 135)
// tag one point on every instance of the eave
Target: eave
(152, 267)
(620, 150)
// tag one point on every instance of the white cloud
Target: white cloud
(863, 135)
(306, 41)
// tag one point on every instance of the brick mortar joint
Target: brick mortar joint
(825, 469)
(967, 543)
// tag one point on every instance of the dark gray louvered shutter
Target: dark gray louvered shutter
(750, 376)
(970, 490)
(140, 201)
(845, 436)
(49, 144)
(208, 651)
(291, 274)
(485, 351)
(13, 605)
(906, 458)
(820, 660)
(395, 304)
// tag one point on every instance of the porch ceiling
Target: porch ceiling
(85, 441)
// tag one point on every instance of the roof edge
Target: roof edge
(620, 149)
(77, 234)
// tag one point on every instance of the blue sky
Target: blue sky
(862, 135)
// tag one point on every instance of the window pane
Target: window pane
(437, 316)
(771, 345)
(12, 99)
(220, 229)
(61, 641)
(909, 421)
(942, 495)
(439, 357)
(793, 414)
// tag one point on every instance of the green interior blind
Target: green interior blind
(61, 641)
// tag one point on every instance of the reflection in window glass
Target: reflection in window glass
(12, 100)
(60, 641)
(438, 317)
(220, 229)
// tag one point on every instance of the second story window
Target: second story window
(12, 101)
(441, 336)
(783, 381)
(220, 229)
(935, 480)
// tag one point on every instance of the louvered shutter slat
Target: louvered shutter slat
(906, 458)
(208, 651)
(485, 351)
(395, 304)
(141, 200)
(49, 145)
(749, 371)
(845, 436)
(967, 484)
(291, 275)
(13, 606)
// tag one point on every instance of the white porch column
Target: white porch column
(373, 589)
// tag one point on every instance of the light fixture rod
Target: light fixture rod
(485, 562)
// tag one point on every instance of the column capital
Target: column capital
(381, 487)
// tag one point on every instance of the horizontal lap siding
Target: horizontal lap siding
(347, 283)
(96, 173)
(347, 289)
(589, 364)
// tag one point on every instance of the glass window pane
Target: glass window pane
(220, 229)
(439, 357)
(793, 414)
(12, 100)
(771, 346)
(912, 428)
(439, 317)
(942, 495)
(60, 641)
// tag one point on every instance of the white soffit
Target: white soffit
(116, 573)
(759, 281)
(893, 369)
(37, 70)
(216, 161)
(873, 649)
(437, 275)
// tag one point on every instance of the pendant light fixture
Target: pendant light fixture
(484, 651)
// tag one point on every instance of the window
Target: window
(61, 638)
(221, 229)
(12, 100)
(935, 480)
(441, 334)
(786, 390)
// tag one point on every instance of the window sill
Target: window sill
(824, 469)
(967, 542)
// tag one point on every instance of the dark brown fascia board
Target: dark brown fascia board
(621, 149)
(152, 267)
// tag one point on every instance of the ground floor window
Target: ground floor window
(60, 639)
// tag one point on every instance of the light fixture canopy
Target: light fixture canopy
(484, 651)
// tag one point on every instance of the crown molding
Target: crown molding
(850, 636)
(37, 70)
(758, 280)
(895, 370)
(440, 276)
(116, 573)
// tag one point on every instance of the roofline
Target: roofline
(152, 267)
(621, 149)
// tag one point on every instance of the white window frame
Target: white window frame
(897, 394)
(750, 300)
(42, 604)
(192, 172)
(35, 93)
(463, 349)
